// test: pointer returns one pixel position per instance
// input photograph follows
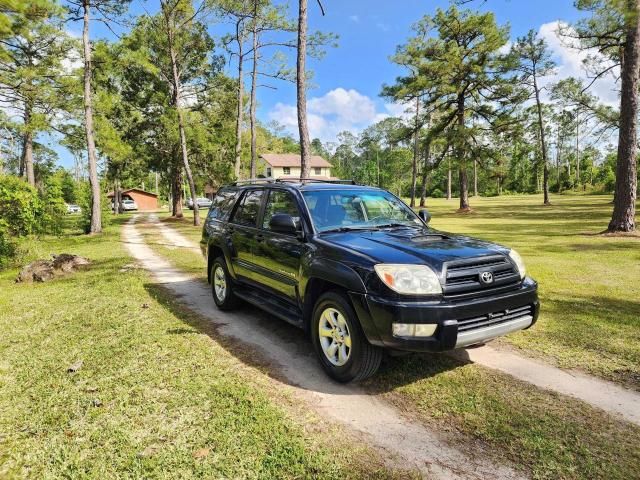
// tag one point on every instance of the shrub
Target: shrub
(54, 208)
(7, 246)
(20, 206)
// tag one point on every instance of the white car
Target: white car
(202, 203)
(128, 205)
(71, 208)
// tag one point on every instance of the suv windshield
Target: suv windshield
(335, 209)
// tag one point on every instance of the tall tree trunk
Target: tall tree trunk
(449, 179)
(176, 195)
(240, 110)
(254, 87)
(464, 188)
(624, 207)
(114, 206)
(96, 220)
(301, 87)
(462, 178)
(27, 146)
(416, 152)
(27, 157)
(177, 87)
(558, 161)
(21, 163)
(425, 174)
(543, 143)
(577, 149)
(475, 177)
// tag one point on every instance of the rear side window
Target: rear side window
(247, 211)
(222, 204)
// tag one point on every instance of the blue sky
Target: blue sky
(349, 78)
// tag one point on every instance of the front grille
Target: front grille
(463, 276)
(494, 318)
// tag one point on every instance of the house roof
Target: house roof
(292, 160)
(128, 190)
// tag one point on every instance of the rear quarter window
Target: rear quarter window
(222, 204)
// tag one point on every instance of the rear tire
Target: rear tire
(341, 346)
(222, 285)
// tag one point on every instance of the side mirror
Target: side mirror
(283, 223)
(424, 215)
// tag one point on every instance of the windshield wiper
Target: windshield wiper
(347, 229)
(396, 225)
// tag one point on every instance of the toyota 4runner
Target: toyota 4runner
(360, 272)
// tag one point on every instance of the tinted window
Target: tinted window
(222, 204)
(247, 211)
(280, 202)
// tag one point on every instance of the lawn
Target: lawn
(545, 434)
(156, 395)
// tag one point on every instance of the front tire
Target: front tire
(341, 346)
(222, 285)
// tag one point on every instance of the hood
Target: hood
(412, 246)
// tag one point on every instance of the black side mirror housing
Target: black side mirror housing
(424, 215)
(283, 223)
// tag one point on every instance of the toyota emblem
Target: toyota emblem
(486, 278)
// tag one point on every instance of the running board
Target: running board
(271, 304)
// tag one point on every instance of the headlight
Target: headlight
(409, 279)
(517, 259)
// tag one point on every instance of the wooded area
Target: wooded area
(154, 107)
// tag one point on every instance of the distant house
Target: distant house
(285, 165)
(144, 200)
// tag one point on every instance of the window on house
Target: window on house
(268, 172)
(286, 170)
(317, 171)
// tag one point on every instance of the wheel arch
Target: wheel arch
(213, 252)
(327, 275)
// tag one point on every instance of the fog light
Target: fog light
(414, 329)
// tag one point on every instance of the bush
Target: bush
(7, 246)
(54, 208)
(21, 209)
(24, 211)
(437, 193)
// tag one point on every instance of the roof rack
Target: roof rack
(251, 181)
(314, 180)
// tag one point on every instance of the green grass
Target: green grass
(588, 283)
(549, 436)
(157, 395)
(544, 434)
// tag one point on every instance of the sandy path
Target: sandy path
(602, 394)
(382, 426)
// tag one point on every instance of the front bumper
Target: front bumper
(376, 315)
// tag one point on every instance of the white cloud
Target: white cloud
(354, 18)
(338, 110)
(503, 50)
(570, 63)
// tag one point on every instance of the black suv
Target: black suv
(361, 272)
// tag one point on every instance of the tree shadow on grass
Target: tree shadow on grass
(297, 345)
